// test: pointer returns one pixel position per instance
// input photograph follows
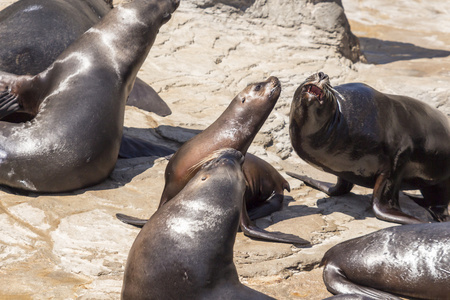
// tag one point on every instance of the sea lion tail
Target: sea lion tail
(131, 220)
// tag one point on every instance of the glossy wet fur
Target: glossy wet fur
(81, 150)
(410, 261)
(185, 251)
(364, 137)
(35, 32)
(235, 128)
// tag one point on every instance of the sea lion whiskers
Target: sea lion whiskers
(332, 94)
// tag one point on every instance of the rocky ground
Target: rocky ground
(68, 246)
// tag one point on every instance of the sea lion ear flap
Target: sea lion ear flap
(12, 91)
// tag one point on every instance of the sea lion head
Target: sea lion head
(223, 166)
(315, 90)
(219, 157)
(266, 92)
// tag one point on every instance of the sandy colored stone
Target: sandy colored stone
(70, 246)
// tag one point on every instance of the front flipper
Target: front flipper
(271, 205)
(131, 220)
(337, 283)
(385, 203)
(251, 230)
(145, 97)
(18, 94)
(340, 188)
(8, 104)
(132, 147)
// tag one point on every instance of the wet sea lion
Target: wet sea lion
(235, 128)
(385, 142)
(79, 102)
(185, 251)
(33, 33)
(409, 261)
(264, 192)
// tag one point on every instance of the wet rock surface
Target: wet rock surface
(68, 246)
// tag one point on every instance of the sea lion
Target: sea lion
(235, 128)
(33, 33)
(79, 103)
(409, 261)
(385, 142)
(185, 251)
(264, 192)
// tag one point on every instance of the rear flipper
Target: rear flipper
(251, 230)
(385, 203)
(131, 220)
(145, 97)
(18, 93)
(132, 147)
(340, 188)
(271, 205)
(337, 283)
(435, 200)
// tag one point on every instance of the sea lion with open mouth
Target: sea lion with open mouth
(381, 141)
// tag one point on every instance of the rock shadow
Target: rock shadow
(354, 205)
(240, 4)
(383, 52)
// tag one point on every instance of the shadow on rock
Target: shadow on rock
(355, 206)
(383, 52)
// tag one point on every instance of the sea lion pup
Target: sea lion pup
(33, 33)
(385, 142)
(79, 102)
(235, 128)
(409, 261)
(185, 251)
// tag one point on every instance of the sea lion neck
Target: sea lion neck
(141, 21)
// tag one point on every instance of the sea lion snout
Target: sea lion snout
(173, 6)
(275, 86)
(322, 76)
(226, 156)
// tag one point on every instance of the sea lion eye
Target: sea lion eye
(243, 100)
(258, 88)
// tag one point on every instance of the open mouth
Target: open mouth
(315, 90)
